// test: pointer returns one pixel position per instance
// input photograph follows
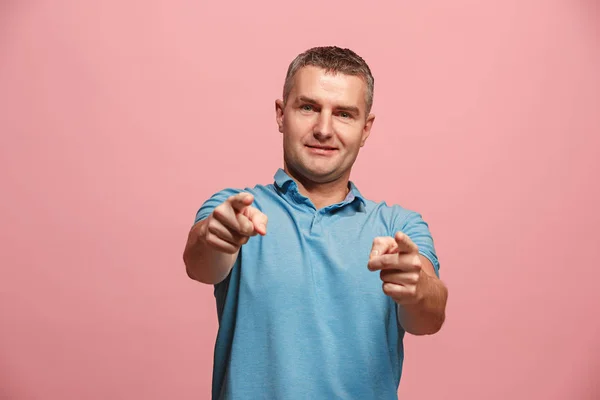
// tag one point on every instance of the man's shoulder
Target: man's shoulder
(388, 209)
(395, 216)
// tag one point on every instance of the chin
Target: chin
(319, 172)
(320, 175)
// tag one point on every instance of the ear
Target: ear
(279, 106)
(367, 129)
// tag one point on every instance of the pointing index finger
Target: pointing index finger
(405, 245)
(258, 219)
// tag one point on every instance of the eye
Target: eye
(345, 115)
(307, 107)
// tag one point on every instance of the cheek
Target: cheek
(296, 127)
(288, 123)
(350, 136)
(291, 138)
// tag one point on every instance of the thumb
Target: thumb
(383, 245)
(240, 201)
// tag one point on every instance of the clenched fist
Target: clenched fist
(397, 259)
(233, 222)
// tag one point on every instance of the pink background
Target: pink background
(119, 118)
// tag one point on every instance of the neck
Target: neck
(321, 194)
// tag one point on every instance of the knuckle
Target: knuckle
(387, 289)
(211, 239)
(386, 276)
(414, 278)
(219, 211)
(417, 261)
(246, 227)
(212, 227)
(229, 250)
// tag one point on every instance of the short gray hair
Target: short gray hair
(333, 59)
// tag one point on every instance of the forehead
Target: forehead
(325, 86)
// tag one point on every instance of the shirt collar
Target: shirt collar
(285, 183)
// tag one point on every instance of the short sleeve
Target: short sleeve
(418, 231)
(211, 203)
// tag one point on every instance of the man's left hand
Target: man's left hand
(398, 260)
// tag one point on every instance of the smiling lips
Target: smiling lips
(323, 150)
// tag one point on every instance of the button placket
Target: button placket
(315, 227)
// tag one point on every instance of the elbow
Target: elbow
(436, 326)
(196, 273)
(193, 275)
(190, 273)
(190, 267)
(431, 327)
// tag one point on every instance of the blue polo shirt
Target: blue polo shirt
(300, 314)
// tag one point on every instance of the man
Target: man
(315, 284)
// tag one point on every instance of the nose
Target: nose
(324, 127)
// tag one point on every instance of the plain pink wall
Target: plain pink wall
(119, 118)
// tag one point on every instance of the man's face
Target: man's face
(323, 124)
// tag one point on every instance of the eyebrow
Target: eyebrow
(351, 109)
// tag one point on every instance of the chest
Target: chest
(313, 259)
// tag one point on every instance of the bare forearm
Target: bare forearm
(427, 316)
(204, 263)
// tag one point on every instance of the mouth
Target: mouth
(321, 150)
(328, 148)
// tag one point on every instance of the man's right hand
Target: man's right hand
(233, 222)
